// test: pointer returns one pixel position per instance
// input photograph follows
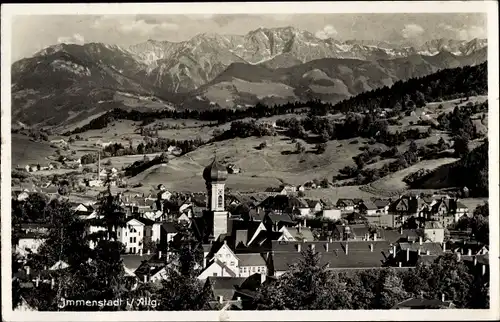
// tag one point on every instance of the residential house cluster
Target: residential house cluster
(242, 251)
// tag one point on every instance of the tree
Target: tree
(63, 189)
(392, 291)
(181, 290)
(299, 147)
(480, 224)
(461, 146)
(308, 285)
(320, 148)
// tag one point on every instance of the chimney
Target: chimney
(145, 278)
(371, 248)
(375, 236)
(299, 227)
(53, 282)
(400, 264)
(159, 254)
(407, 254)
(394, 250)
(305, 222)
(238, 299)
(298, 247)
(346, 248)
(140, 251)
(475, 260)
(469, 252)
(444, 247)
(442, 297)
(459, 256)
(221, 299)
(28, 271)
(401, 230)
(262, 278)
(149, 252)
(419, 250)
(326, 246)
(420, 240)
(484, 269)
(428, 252)
(313, 246)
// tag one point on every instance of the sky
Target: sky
(33, 33)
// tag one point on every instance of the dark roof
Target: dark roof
(394, 236)
(169, 227)
(281, 261)
(215, 172)
(251, 259)
(149, 267)
(282, 202)
(339, 246)
(433, 248)
(381, 203)
(133, 262)
(145, 221)
(368, 204)
(276, 218)
(312, 203)
(414, 303)
(346, 202)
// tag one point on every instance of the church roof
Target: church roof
(215, 172)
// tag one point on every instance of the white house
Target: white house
(250, 264)
(132, 236)
(460, 211)
(95, 183)
(334, 214)
(30, 242)
(216, 268)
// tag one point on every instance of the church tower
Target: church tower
(215, 176)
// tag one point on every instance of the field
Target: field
(394, 181)
(26, 152)
(277, 163)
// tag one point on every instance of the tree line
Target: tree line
(402, 96)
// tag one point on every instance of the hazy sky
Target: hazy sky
(33, 33)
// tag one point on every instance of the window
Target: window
(220, 202)
(227, 255)
(232, 263)
(244, 269)
(258, 269)
(215, 274)
(253, 269)
(133, 239)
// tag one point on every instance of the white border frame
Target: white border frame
(489, 7)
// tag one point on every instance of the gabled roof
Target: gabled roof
(251, 259)
(275, 218)
(369, 205)
(381, 203)
(345, 201)
(224, 286)
(142, 220)
(169, 227)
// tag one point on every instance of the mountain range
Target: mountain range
(230, 71)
